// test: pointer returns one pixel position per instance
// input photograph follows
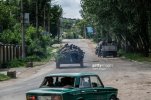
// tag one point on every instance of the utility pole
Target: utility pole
(22, 26)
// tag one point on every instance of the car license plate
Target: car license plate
(44, 98)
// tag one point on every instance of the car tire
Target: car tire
(81, 64)
(113, 98)
(104, 54)
(115, 54)
(57, 64)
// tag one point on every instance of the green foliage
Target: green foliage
(81, 26)
(97, 38)
(72, 28)
(11, 36)
(56, 13)
(68, 35)
(15, 63)
(37, 46)
(6, 16)
(4, 77)
(122, 20)
(33, 58)
(36, 39)
(52, 52)
(10, 14)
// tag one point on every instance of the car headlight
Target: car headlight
(52, 97)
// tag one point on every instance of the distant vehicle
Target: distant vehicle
(70, 54)
(105, 48)
(72, 86)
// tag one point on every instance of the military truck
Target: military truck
(106, 48)
(70, 54)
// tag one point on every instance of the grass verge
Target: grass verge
(3, 77)
(136, 57)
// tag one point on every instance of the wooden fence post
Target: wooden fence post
(8, 52)
(1, 54)
(12, 52)
(19, 52)
(15, 52)
(5, 53)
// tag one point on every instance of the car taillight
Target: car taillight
(31, 98)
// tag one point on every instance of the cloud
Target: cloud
(71, 8)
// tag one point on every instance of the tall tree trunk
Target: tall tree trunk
(144, 30)
(37, 26)
(44, 17)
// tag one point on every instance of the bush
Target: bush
(15, 63)
(33, 58)
(68, 36)
(36, 45)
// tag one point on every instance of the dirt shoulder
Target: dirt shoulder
(24, 74)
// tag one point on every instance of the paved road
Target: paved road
(109, 67)
(17, 91)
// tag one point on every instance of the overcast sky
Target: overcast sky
(71, 8)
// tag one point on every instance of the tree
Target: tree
(123, 20)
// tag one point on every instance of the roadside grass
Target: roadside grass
(4, 77)
(136, 57)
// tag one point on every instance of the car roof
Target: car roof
(71, 74)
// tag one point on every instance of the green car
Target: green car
(72, 86)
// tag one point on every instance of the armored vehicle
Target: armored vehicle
(106, 48)
(69, 54)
